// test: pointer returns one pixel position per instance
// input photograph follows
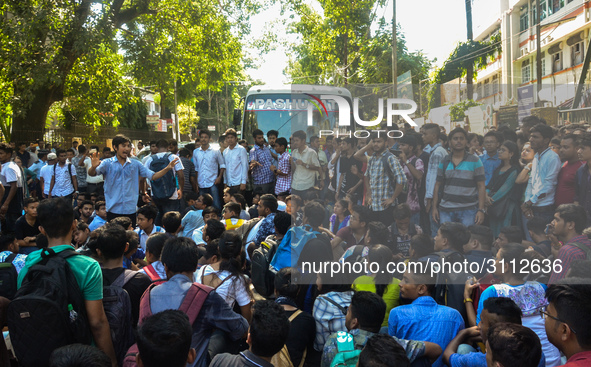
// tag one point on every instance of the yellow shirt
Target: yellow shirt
(391, 294)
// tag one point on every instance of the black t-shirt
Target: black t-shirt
(345, 165)
(135, 288)
(25, 157)
(22, 229)
(302, 332)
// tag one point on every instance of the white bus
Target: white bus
(286, 109)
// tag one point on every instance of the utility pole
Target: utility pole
(177, 131)
(394, 52)
(538, 47)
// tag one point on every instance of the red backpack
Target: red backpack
(153, 274)
(191, 306)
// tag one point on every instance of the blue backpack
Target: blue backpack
(164, 187)
(291, 246)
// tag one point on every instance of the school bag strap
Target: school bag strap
(583, 248)
(332, 301)
(123, 278)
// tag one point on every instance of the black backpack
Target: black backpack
(165, 186)
(48, 310)
(263, 275)
(8, 277)
(117, 307)
(449, 286)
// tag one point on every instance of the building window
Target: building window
(479, 91)
(556, 62)
(523, 22)
(495, 85)
(543, 65)
(576, 53)
(486, 88)
(525, 72)
(543, 9)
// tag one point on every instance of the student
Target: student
(478, 249)
(164, 339)
(146, 215)
(581, 185)
(351, 176)
(377, 234)
(193, 219)
(341, 216)
(101, 216)
(567, 320)
(363, 320)
(256, 197)
(236, 159)
(304, 164)
(12, 196)
(231, 215)
(490, 158)
(423, 319)
(382, 351)
(436, 153)
(154, 245)
(421, 245)
(283, 172)
(57, 223)
(565, 188)
(267, 209)
(266, 337)
(63, 183)
(180, 256)
(171, 222)
(239, 198)
(9, 247)
(511, 234)
(78, 355)
(260, 163)
(80, 162)
(85, 209)
(209, 214)
(46, 173)
(512, 345)
(402, 230)
(111, 245)
(26, 227)
(189, 173)
(122, 198)
(414, 169)
(537, 231)
(354, 233)
(81, 237)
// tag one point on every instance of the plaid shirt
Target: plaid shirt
(569, 253)
(414, 349)
(329, 318)
(262, 174)
(379, 180)
(283, 183)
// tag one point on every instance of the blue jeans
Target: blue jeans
(466, 216)
(213, 191)
(164, 206)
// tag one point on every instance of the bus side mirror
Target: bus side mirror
(237, 117)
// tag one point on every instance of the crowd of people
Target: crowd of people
(195, 256)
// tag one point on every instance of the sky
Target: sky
(434, 26)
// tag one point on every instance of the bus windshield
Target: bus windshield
(286, 113)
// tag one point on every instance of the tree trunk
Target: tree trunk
(470, 67)
(31, 124)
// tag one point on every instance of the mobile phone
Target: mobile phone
(93, 151)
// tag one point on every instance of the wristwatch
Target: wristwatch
(483, 211)
(307, 166)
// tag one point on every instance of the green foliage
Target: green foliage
(456, 111)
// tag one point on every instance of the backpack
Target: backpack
(346, 355)
(117, 307)
(8, 277)
(282, 358)
(583, 248)
(164, 187)
(449, 286)
(191, 305)
(69, 172)
(263, 275)
(48, 310)
(154, 277)
(294, 241)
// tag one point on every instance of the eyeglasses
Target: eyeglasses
(544, 314)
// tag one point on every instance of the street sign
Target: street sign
(152, 119)
(211, 127)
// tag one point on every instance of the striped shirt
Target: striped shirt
(459, 184)
(569, 253)
(379, 178)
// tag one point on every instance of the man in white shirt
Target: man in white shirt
(305, 164)
(46, 173)
(93, 183)
(12, 196)
(210, 167)
(236, 159)
(63, 181)
(162, 186)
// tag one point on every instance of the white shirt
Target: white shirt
(236, 165)
(46, 172)
(207, 164)
(177, 167)
(233, 290)
(10, 173)
(91, 179)
(144, 236)
(63, 185)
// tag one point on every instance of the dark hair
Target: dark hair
(572, 300)
(81, 226)
(112, 241)
(369, 309)
(378, 232)
(155, 243)
(240, 200)
(162, 143)
(257, 132)
(479, 137)
(456, 233)
(134, 241)
(456, 131)
(514, 345)
(118, 140)
(286, 281)
(171, 221)
(281, 141)
(513, 234)
(56, 217)
(422, 244)
(124, 222)
(314, 213)
(164, 339)
(402, 211)
(313, 138)
(85, 202)
(409, 139)
(580, 269)
(207, 200)
(215, 229)
(71, 150)
(5, 241)
(205, 132)
(544, 130)
(282, 222)
(6, 148)
(422, 275)
(29, 201)
(573, 213)
(60, 151)
(300, 134)
(184, 152)
(180, 255)
(383, 351)
(495, 135)
(107, 149)
(231, 132)
(190, 195)
(210, 210)
(532, 121)
(269, 201)
(274, 133)
(212, 249)
(537, 225)
(233, 207)
(148, 211)
(503, 307)
(513, 148)
(74, 355)
(97, 205)
(364, 213)
(381, 255)
(513, 253)
(269, 328)
(483, 234)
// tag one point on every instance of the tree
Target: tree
(470, 66)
